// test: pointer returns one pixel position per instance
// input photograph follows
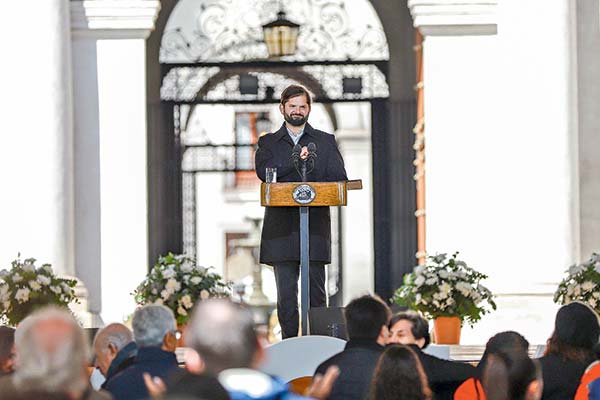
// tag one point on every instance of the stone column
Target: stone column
(354, 142)
(36, 167)
(588, 124)
(110, 144)
(501, 158)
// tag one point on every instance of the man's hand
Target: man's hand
(304, 153)
(320, 387)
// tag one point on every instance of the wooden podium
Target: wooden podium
(304, 195)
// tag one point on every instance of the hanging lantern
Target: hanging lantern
(281, 36)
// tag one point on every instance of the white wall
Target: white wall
(588, 124)
(354, 140)
(36, 168)
(502, 159)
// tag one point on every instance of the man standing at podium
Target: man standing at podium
(280, 241)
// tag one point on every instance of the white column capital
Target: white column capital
(454, 17)
(127, 19)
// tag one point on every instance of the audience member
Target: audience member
(593, 390)
(114, 349)
(7, 350)
(569, 350)
(222, 333)
(154, 330)
(512, 375)
(443, 376)
(409, 327)
(399, 375)
(51, 359)
(591, 374)
(471, 389)
(366, 322)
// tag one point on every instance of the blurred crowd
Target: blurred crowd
(386, 357)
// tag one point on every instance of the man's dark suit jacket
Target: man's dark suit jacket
(129, 383)
(444, 376)
(125, 357)
(356, 363)
(280, 240)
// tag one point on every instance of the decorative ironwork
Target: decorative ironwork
(231, 31)
(218, 158)
(270, 85)
(331, 78)
(189, 213)
(184, 83)
(218, 85)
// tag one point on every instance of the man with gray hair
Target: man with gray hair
(114, 350)
(51, 357)
(154, 330)
(223, 335)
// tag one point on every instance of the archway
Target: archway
(390, 238)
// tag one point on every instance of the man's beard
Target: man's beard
(295, 121)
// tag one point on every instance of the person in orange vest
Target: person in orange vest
(472, 388)
(592, 373)
(569, 351)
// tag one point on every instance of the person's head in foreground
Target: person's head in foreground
(223, 334)
(504, 342)
(399, 376)
(107, 344)
(367, 319)
(51, 354)
(154, 325)
(512, 375)
(575, 335)
(408, 327)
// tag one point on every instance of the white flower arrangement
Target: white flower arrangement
(446, 286)
(26, 287)
(581, 283)
(177, 282)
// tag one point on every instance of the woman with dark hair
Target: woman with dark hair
(512, 375)
(399, 376)
(471, 389)
(569, 350)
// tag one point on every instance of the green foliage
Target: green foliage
(581, 283)
(177, 282)
(25, 288)
(446, 287)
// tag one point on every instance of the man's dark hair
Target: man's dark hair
(294, 91)
(420, 326)
(504, 342)
(507, 375)
(7, 340)
(365, 316)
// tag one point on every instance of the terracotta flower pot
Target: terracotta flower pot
(447, 330)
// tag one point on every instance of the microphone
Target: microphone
(296, 158)
(312, 150)
(296, 151)
(312, 154)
